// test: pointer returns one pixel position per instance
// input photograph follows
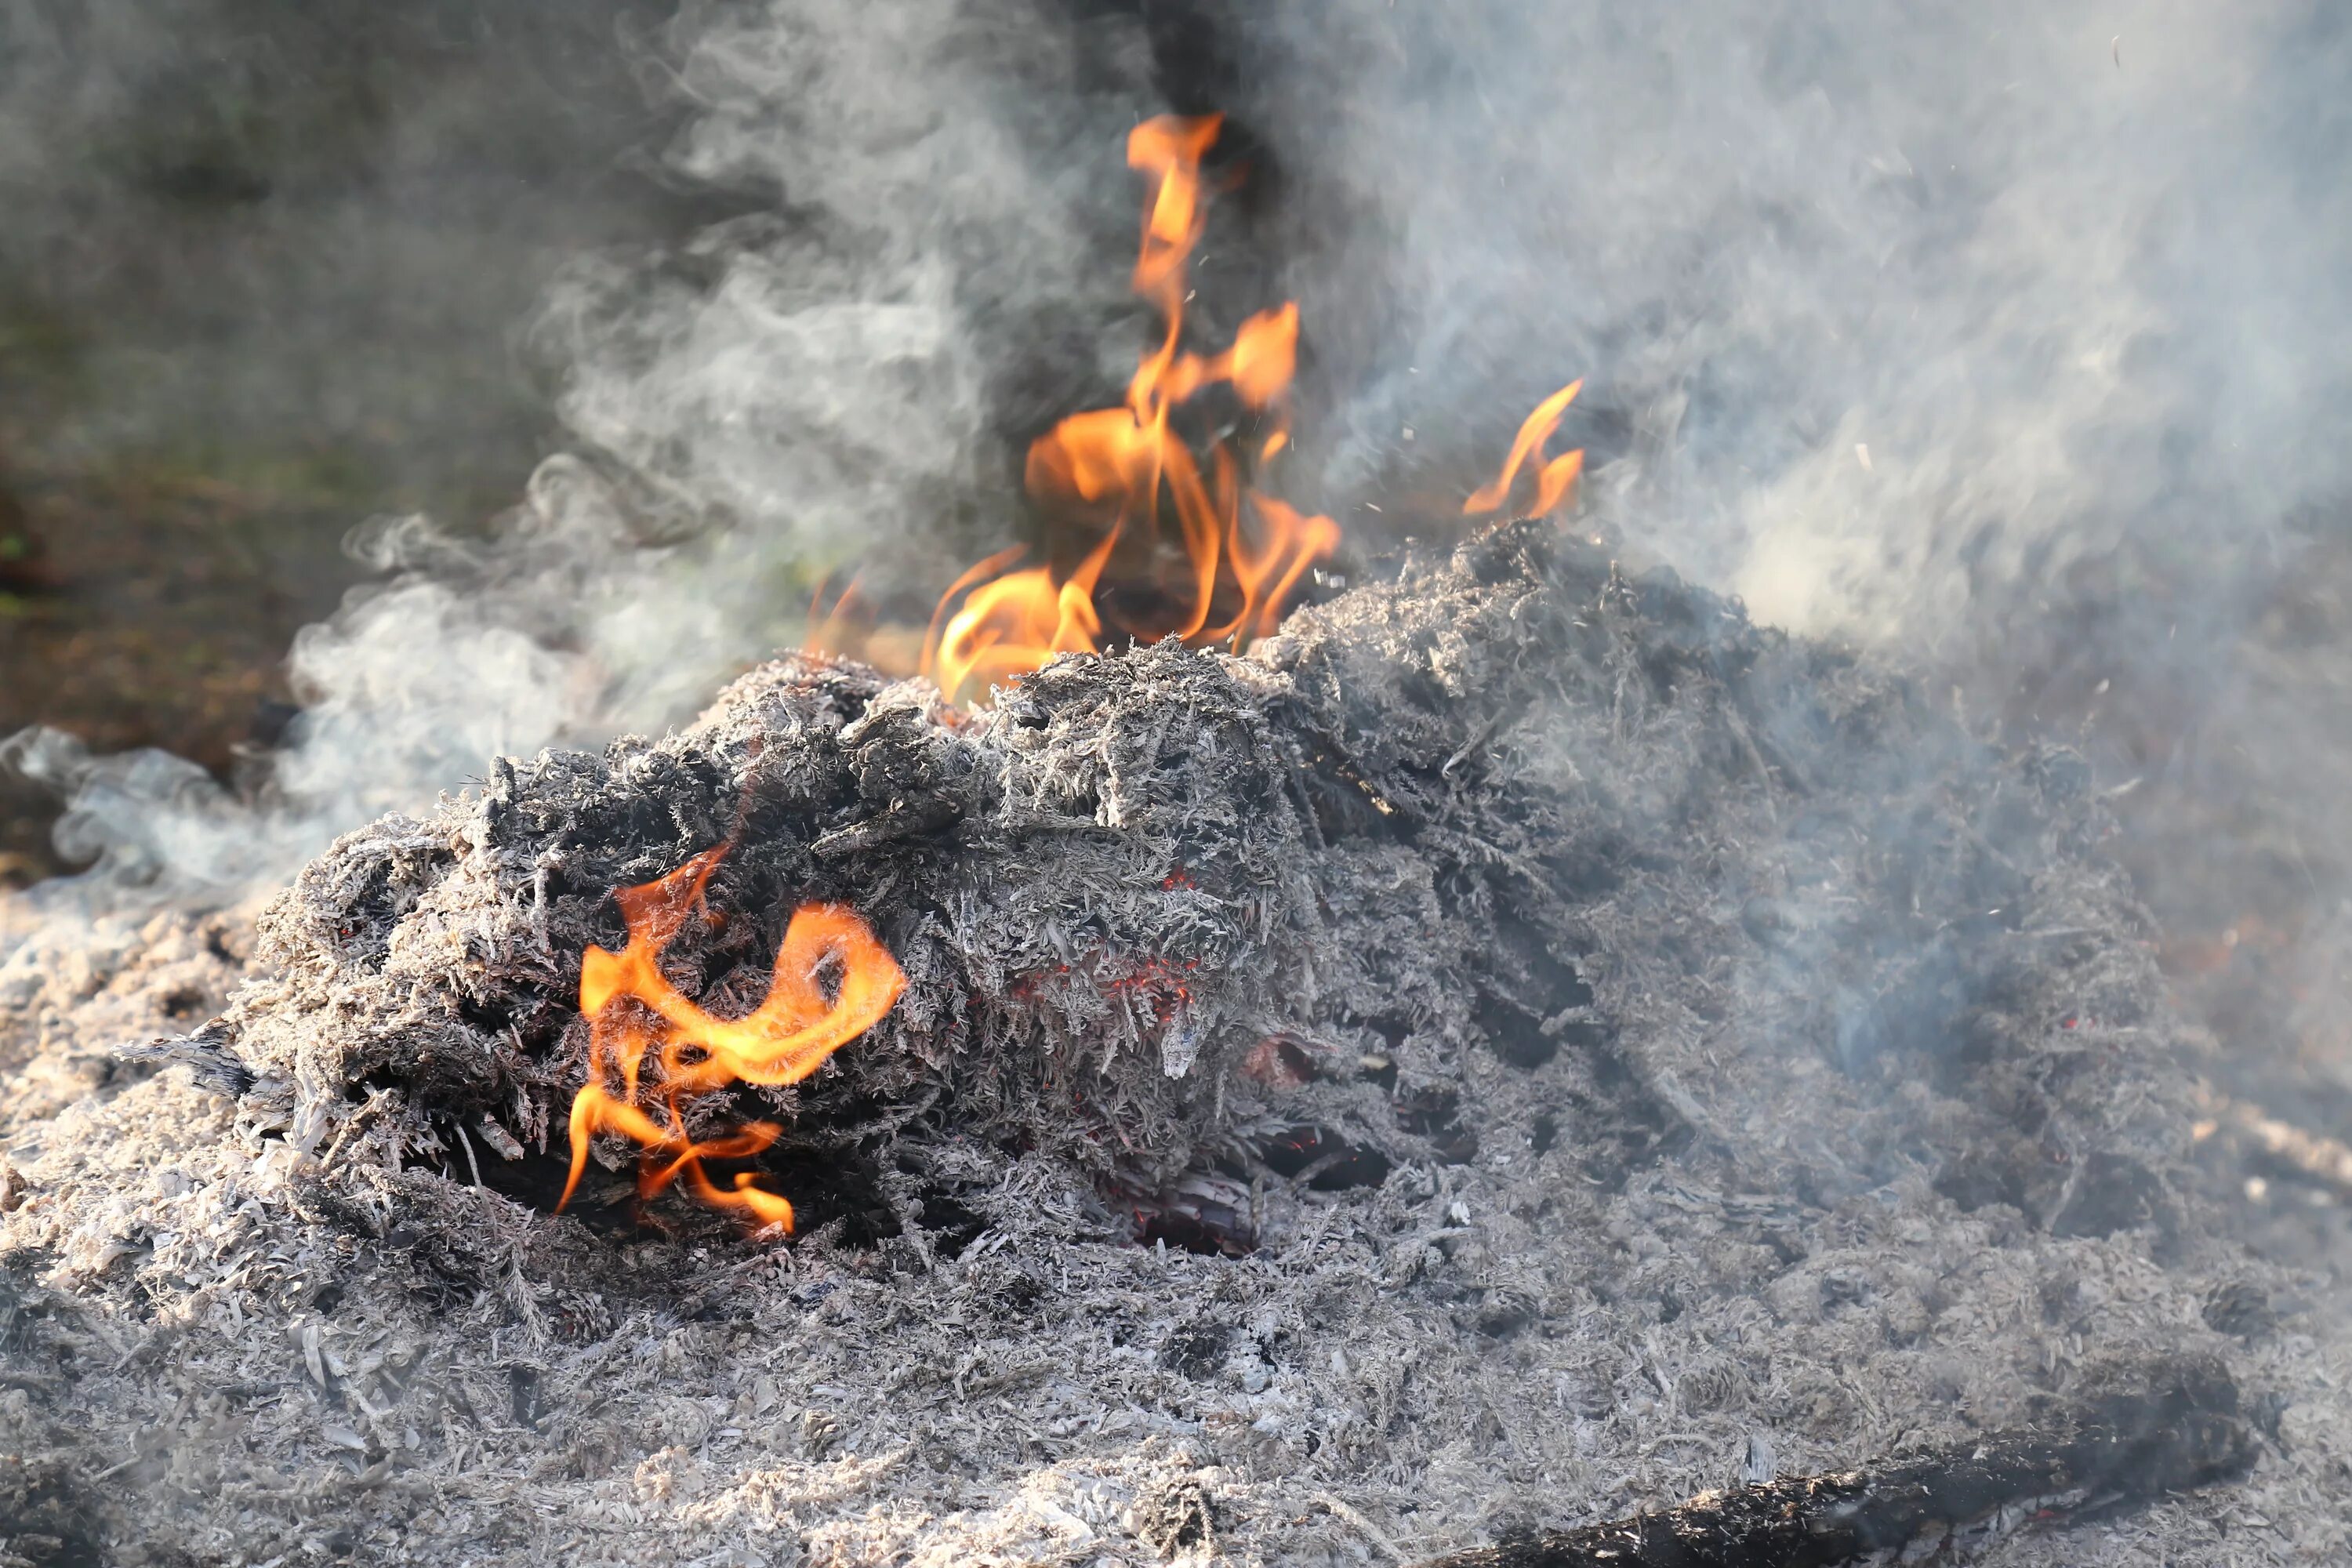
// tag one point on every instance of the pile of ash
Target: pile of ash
(1521, 1047)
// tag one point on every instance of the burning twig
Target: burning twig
(2184, 1430)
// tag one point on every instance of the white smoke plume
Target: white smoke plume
(1899, 306)
(803, 389)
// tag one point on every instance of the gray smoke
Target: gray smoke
(1924, 325)
(308, 233)
(809, 384)
(942, 174)
(2064, 278)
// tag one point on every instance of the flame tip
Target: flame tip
(1554, 477)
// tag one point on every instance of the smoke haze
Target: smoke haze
(1997, 337)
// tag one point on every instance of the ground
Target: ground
(1924, 1188)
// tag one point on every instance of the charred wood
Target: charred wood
(2117, 1452)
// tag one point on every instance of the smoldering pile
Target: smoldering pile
(1599, 1048)
(1151, 904)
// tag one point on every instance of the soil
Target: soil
(150, 610)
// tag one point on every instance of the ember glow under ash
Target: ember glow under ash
(833, 981)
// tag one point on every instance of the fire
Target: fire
(852, 628)
(1234, 554)
(1553, 478)
(1200, 555)
(1153, 540)
(652, 1052)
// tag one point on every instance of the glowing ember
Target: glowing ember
(1553, 478)
(652, 1052)
(1225, 574)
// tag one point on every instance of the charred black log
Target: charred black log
(2120, 1451)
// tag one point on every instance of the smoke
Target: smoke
(944, 188)
(1998, 337)
(1995, 335)
(275, 236)
(836, 373)
(1889, 310)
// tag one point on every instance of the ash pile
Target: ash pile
(1521, 1048)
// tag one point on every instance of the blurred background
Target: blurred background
(268, 270)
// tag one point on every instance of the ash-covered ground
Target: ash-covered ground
(1646, 1052)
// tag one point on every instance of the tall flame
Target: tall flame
(1167, 544)
(652, 1052)
(1111, 466)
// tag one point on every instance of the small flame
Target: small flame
(851, 628)
(636, 1018)
(1553, 478)
(1222, 582)
(843, 628)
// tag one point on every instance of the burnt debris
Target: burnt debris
(1466, 822)
(1618, 1037)
(2183, 1430)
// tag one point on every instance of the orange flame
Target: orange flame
(845, 626)
(637, 1016)
(1162, 541)
(1111, 466)
(1552, 478)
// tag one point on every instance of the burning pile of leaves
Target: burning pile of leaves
(1520, 1045)
(1506, 1047)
